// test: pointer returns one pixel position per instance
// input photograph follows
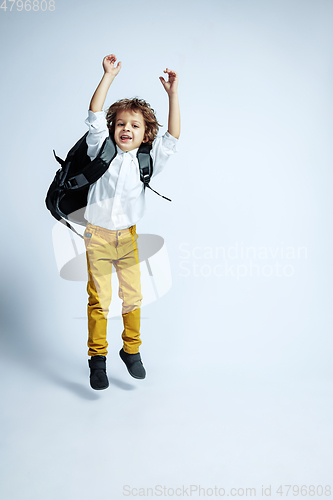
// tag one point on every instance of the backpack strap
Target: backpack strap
(145, 163)
(66, 223)
(146, 166)
(92, 170)
(158, 193)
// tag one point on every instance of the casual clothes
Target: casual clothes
(117, 199)
(116, 202)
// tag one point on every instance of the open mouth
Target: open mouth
(125, 138)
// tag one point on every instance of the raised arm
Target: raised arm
(110, 72)
(174, 112)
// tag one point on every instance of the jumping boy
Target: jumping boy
(116, 202)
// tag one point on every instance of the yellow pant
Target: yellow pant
(104, 248)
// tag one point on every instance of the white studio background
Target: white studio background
(238, 353)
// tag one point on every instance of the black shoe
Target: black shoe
(133, 363)
(98, 376)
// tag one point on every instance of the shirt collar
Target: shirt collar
(132, 153)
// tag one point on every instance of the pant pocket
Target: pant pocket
(88, 237)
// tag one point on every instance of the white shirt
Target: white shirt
(117, 199)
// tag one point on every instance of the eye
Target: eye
(136, 126)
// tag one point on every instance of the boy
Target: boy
(116, 202)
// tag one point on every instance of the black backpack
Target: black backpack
(67, 196)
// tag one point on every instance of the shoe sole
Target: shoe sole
(99, 388)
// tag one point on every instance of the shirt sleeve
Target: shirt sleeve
(97, 133)
(162, 148)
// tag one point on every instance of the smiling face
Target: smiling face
(129, 132)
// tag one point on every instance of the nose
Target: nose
(126, 126)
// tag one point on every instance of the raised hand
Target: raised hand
(172, 83)
(110, 72)
(109, 65)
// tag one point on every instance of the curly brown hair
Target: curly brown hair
(134, 104)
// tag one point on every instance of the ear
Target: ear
(145, 138)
